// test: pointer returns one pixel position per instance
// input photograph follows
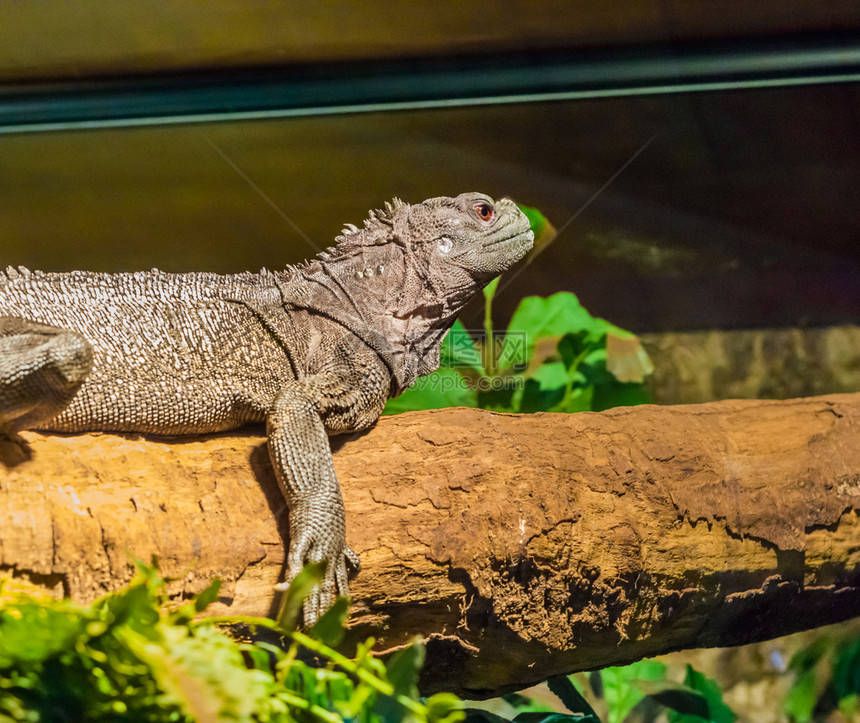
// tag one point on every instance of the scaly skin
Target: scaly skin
(314, 350)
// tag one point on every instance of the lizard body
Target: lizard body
(312, 351)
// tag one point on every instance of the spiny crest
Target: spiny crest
(387, 214)
(376, 228)
(13, 272)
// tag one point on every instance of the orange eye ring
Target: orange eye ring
(485, 212)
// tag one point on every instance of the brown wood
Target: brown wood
(519, 546)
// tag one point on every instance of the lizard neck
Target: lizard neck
(381, 297)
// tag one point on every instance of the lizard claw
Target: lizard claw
(333, 585)
(308, 546)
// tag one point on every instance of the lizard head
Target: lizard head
(436, 254)
(466, 241)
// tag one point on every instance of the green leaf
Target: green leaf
(810, 656)
(477, 715)
(503, 399)
(616, 394)
(718, 711)
(812, 667)
(136, 607)
(573, 348)
(459, 350)
(568, 694)
(546, 338)
(441, 389)
(537, 221)
(580, 399)
(490, 289)
(203, 673)
(208, 596)
(554, 316)
(846, 670)
(551, 376)
(401, 671)
(683, 700)
(543, 229)
(300, 587)
(261, 655)
(31, 632)
(801, 697)
(329, 628)
(444, 708)
(403, 667)
(535, 399)
(620, 687)
(849, 706)
(535, 717)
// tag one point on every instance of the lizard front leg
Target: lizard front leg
(41, 369)
(298, 424)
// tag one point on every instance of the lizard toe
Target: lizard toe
(311, 608)
(342, 580)
(353, 559)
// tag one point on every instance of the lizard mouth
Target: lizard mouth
(523, 238)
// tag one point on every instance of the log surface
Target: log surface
(520, 547)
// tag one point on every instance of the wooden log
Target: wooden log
(520, 547)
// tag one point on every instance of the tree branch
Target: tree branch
(521, 547)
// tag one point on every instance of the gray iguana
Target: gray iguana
(313, 350)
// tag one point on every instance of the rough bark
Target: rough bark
(519, 546)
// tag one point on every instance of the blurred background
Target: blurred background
(712, 210)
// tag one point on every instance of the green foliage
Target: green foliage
(443, 388)
(554, 357)
(638, 692)
(474, 715)
(701, 699)
(622, 686)
(569, 694)
(632, 691)
(826, 679)
(129, 657)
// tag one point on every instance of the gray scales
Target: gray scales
(314, 350)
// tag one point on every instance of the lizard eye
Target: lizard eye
(445, 244)
(485, 211)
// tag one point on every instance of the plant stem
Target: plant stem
(568, 389)
(489, 346)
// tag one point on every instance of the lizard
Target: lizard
(313, 351)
